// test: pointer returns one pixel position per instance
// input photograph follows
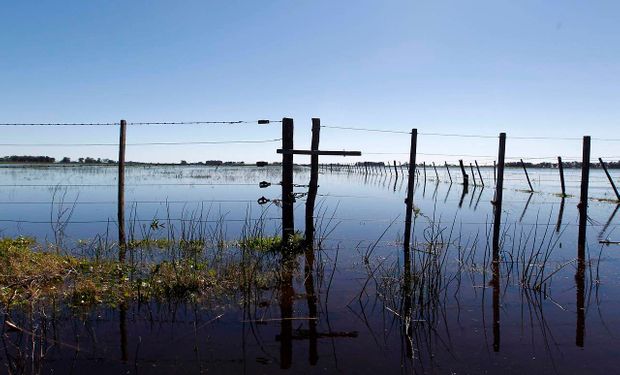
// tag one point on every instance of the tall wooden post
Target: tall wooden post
(465, 177)
(611, 180)
(581, 242)
(424, 167)
(410, 186)
(288, 221)
(314, 178)
(395, 169)
(561, 169)
(499, 192)
(527, 176)
(122, 240)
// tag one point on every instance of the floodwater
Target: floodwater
(364, 304)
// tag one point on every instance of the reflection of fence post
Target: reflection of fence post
(288, 223)
(314, 178)
(611, 180)
(122, 240)
(465, 177)
(499, 192)
(527, 176)
(410, 185)
(561, 169)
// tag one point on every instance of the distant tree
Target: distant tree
(183, 162)
(66, 160)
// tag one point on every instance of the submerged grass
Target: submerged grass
(33, 274)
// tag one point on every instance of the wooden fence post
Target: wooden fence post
(313, 186)
(410, 186)
(499, 192)
(473, 174)
(424, 167)
(479, 174)
(122, 239)
(581, 241)
(448, 169)
(465, 177)
(436, 173)
(288, 221)
(527, 176)
(611, 180)
(395, 169)
(562, 183)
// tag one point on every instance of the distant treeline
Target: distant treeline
(100, 161)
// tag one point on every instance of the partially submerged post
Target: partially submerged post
(395, 169)
(479, 174)
(410, 185)
(562, 183)
(122, 240)
(527, 176)
(473, 174)
(465, 177)
(313, 185)
(436, 173)
(424, 168)
(499, 193)
(581, 242)
(448, 169)
(611, 180)
(288, 221)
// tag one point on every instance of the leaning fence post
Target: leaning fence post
(473, 174)
(436, 173)
(465, 177)
(499, 192)
(611, 180)
(562, 183)
(288, 221)
(527, 176)
(448, 169)
(479, 174)
(410, 186)
(122, 240)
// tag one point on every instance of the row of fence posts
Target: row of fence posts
(288, 228)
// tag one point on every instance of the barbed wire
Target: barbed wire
(235, 122)
(462, 135)
(244, 141)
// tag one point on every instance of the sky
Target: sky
(527, 68)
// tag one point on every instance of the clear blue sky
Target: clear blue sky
(524, 67)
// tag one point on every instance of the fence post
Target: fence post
(424, 167)
(479, 174)
(288, 221)
(581, 242)
(313, 186)
(473, 174)
(527, 176)
(562, 183)
(611, 180)
(448, 169)
(410, 186)
(122, 240)
(499, 193)
(395, 169)
(436, 173)
(465, 177)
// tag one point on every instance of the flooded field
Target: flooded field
(354, 301)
